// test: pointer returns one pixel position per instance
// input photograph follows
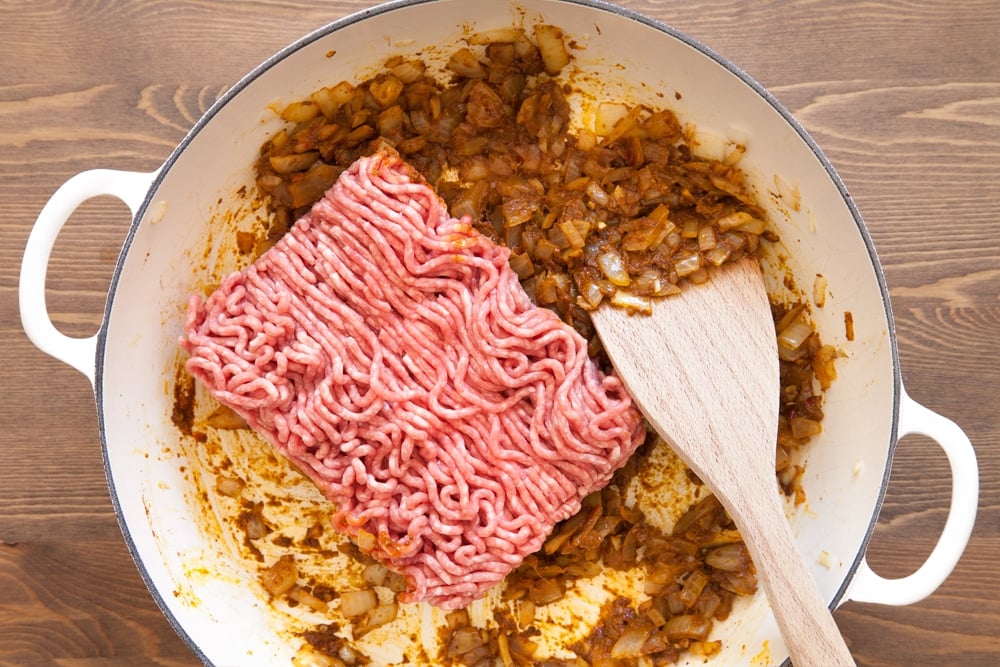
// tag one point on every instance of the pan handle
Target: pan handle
(131, 188)
(870, 587)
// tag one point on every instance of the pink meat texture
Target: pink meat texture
(389, 351)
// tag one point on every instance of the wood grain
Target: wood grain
(903, 96)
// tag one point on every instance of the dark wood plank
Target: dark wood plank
(80, 602)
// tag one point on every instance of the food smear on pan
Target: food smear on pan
(624, 210)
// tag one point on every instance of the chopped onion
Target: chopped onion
(355, 603)
(648, 236)
(365, 540)
(375, 574)
(324, 100)
(497, 35)
(390, 121)
(306, 598)
(253, 522)
(608, 115)
(710, 145)
(571, 232)
(725, 536)
(312, 184)
(546, 591)
(525, 613)
(409, 71)
(848, 325)
(307, 656)
(819, 290)
(463, 640)
(503, 648)
(287, 164)
(632, 302)
(705, 649)
(546, 291)
(804, 428)
(376, 618)
(300, 112)
(794, 335)
(549, 39)
(613, 268)
(341, 93)
(735, 154)
(729, 557)
(630, 644)
(823, 366)
(688, 626)
(457, 618)
(591, 296)
(520, 262)
(650, 281)
(518, 211)
(754, 226)
(229, 486)
(706, 238)
(396, 582)
(596, 193)
(386, 90)
(625, 125)
(739, 220)
(653, 588)
(280, 577)
(693, 586)
(788, 193)
(690, 229)
(465, 63)
(698, 277)
(741, 583)
(557, 235)
(586, 140)
(687, 264)
(717, 256)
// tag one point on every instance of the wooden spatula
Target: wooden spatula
(703, 368)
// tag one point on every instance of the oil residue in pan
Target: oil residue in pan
(260, 509)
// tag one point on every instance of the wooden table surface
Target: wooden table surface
(904, 97)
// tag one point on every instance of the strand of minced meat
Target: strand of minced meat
(390, 352)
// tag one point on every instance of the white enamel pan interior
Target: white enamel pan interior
(638, 60)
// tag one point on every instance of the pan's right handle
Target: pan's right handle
(871, 587)
(131, 188)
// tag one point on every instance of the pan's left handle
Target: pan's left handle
(80, 353)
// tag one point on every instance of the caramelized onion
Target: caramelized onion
(357, 602)
(280, 577)
(687, 626)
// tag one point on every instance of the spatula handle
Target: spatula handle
(807, 626)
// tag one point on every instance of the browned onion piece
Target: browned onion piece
(229, 486)
(729, 557)
(630, 644)
(357, 602)
(687, 626)
(280, 577)
(464, 640)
